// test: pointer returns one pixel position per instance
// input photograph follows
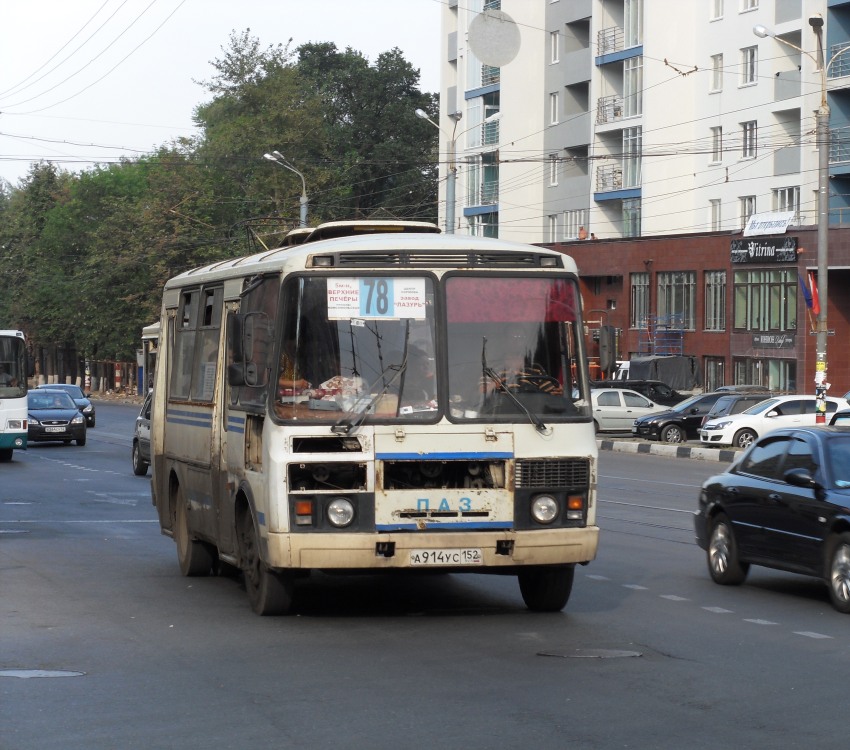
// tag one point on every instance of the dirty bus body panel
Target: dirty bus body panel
(396, 399)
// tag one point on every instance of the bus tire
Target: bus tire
(546, 589)
(6, 454)
(195, 558)
(269, 592)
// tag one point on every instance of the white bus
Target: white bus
(344, 405)
(13, 393)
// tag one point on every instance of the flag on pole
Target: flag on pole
(813, 289)
(807, 295)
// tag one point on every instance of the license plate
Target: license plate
(54, 429)
(446, 557)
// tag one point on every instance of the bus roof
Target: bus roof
(399, 249)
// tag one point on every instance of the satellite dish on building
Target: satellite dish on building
(494, 38)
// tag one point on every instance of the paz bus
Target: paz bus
(13, 393)
(343, 404)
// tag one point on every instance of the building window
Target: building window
(633, 87)
(716, 9)
(633, 22)
(766, 300)
(554, 46)
(716, 218)
(639, 300)
(748, 208)
(715, 300)
(554, 105)
(749, 5)
(787, 199)
(632, 140)
(749, 65)
(573, 221)
(552, 222)
(716, 73)
(553, 170)
(676, 299)
(716, 145)
(631, 217)
(776, 374)
(749, 131)
(484, 225)
(713, 373)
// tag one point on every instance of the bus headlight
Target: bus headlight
(544, 509)
(340, 512)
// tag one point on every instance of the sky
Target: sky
(85, 81)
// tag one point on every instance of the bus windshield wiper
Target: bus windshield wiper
(489, 372)
(345, 426)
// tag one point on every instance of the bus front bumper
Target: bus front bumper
(422, 550)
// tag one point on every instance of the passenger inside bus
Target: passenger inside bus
(6, 378)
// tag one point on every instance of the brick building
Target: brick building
(734, 302)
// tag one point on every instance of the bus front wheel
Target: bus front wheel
(269, 592)
(546, 589)
(195, 558)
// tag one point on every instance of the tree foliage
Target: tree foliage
(85, 255)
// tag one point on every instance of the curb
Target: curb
(671, 451)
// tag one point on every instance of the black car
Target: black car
(654, 390)
(678, 424)
(733, 403)
(784, 504)
(53, 415)
(81, 399)
(142, 439)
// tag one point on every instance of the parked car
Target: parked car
(841, 417)
(142, 438)
(81, 399)
(615, 410)
(733, 403)
(654, 390)
(53, 415)
(782, 504)
(678, 424)
(770, 414)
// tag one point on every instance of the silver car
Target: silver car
(615, 409)
(142, 438)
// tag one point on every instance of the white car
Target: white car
(739, 430)
(616, 409)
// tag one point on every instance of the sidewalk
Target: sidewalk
(724, 455)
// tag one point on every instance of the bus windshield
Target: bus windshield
(354, 348)
(358, 349)
(13, 381)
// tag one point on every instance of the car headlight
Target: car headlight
(78, 419)
(33, 421)
(721, 425)
(544, 509)
(87, 409)
(340, 512)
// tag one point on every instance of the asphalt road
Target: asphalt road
(104, 645)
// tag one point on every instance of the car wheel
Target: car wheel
(81, 441)
(91, 422)
(6, 454)
(140, 468)
(195, 558)
(722, 555)
(546, 589)
(596, 426)
(673, 433)
(839, 573)
(269, 592)
(743, 438)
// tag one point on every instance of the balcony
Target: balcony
(839, 148)
(609, 40)
(609, 109)
(609, 177)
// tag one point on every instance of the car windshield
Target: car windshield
(762, 406)
(687, 403)
(74, 391)
(50, 400)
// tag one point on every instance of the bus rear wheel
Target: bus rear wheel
(195, 558)
(269, 592)
(546, 589)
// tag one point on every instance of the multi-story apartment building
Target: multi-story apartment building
(639, 117)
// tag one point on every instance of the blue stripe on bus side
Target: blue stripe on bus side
(441, 456)
(189, 418)
(435, 525)
(236, 424)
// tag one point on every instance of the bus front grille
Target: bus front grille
(561, 472)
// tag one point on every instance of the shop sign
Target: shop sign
(765, 250)
(773, 340)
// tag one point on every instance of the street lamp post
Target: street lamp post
(823, 136)
(279, 158)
